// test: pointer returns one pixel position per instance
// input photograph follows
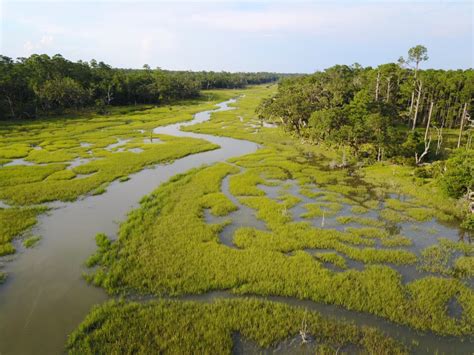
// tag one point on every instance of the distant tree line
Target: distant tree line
(41, 84)
(396, 109)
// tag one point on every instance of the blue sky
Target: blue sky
(280, 36)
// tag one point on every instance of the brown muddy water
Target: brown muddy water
(45, 297)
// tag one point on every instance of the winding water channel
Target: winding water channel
(45, 296)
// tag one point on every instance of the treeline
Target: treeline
(395, 109)
(41, 84)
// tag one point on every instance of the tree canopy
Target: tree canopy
(41, 84)
(384, 111)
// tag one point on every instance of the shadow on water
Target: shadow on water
(45, 296)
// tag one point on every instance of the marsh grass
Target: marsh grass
(165, 247)
(14, 221)
(156, 254)
(207, 328)
(31, 241)
(57, 145)
(448, 258)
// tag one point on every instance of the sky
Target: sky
(281, 36)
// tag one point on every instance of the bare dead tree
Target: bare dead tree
(418, 159)
(304, 330)
(109, 97)
(389, 86)
(429, 121)
(417, 106)
(412, 102)
(10, 103)
(470, 125)
(461, 125)
(439, 138)
(377, 87)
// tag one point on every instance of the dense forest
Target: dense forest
(395, 109)
(41, 84)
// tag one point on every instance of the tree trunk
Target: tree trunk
(420, 87)
(377, 86)
(418, 159)
(439, 142)
(429, 120)
(10, 103)
(462, 124)
(412, 102)
(387, 98)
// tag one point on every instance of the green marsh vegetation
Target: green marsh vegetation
(65, 158)
(31, 241)
(13, 221)
(157, 255)
(194, 327)
(349, 211)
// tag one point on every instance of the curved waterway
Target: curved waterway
(45, 296)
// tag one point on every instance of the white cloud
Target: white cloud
(43, 44)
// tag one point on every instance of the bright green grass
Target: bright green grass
(166, 248)
(54, 143)
(156, 254)
(57, 142)
(176, 327)
(332, 258)
(30, 242)
(439, 258)
(14, 221)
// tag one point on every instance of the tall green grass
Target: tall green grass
(176, 327)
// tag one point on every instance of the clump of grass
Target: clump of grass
(359, 209)
(360, 220)
(464, 266)
(30, 242)
(393, 216)
(438, 258)
(3, 277)
(218, 203)
(62, 175)
(319, 209)
(193, 327)
(13, 222)
(14, 151)
(397, 241)
(99, 191)
(333, 258)
(124, 178)
(420, 214)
